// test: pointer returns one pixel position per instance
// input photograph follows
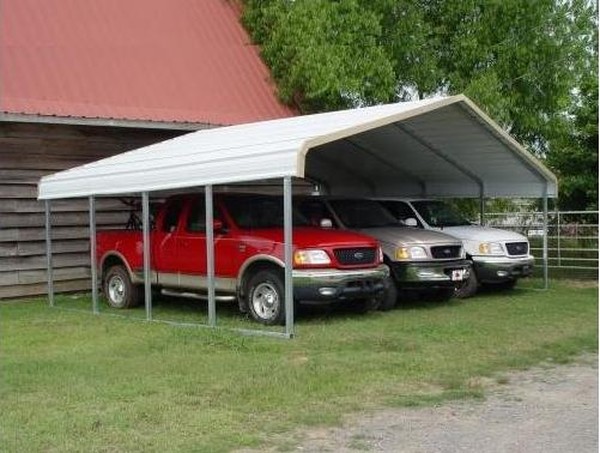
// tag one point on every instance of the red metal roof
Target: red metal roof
(156, 60)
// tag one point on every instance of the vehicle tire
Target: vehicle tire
(118, 289)
(266, 298)
(468, 288)
(390, 297)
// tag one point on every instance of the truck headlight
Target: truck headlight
(311, 257)
(410, 253)
(379, 254)
(490, 248)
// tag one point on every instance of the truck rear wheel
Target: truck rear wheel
(266, 298)
(118, 289)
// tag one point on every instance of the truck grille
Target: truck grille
(363, 255)
(517, 248)
(446, 251)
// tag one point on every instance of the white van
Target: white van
(498, 257)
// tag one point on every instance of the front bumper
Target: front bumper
(443, 274)
(327, 285)
(502, 268)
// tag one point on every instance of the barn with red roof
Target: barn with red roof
(84, 80)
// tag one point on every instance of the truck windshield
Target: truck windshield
(256, 212)
(439, 214)
(362, 214)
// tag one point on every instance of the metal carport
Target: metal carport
(440, 147)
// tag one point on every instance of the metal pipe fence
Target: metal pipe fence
(572, 239)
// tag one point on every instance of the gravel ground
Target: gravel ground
(547, 409)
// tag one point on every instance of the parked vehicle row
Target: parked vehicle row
(419, 260)
(497, 257)
(354, 251)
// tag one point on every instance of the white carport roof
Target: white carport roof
(442, 147)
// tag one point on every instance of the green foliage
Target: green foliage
(574, 155)
(518, 59)
(528, 64)
(324, 54)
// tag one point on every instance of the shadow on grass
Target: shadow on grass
(181, 310)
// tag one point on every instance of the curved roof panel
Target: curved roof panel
(445, 147)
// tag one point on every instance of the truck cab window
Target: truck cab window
(196, 221)
(171, 217)
(314, 211)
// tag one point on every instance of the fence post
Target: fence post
(558, 237)
(545, 246)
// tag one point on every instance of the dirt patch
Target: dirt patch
(547, 409)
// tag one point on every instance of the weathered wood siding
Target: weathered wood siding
(29, 151)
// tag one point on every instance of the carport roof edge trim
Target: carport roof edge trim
(262, 150)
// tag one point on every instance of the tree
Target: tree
(574, 154)
(323, 54)
(531, 65)
(520, 60)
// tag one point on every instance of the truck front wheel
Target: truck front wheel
(266, 297)
(390, 297)
(118, 289)
(467, 288)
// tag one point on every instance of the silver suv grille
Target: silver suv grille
(446, 251)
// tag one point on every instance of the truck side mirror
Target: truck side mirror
(411, 222)
(326, 223)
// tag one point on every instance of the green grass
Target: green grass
(72, 381)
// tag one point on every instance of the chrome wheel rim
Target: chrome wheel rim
(116, 290)
(265, 301)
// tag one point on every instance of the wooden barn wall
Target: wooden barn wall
(29, 151)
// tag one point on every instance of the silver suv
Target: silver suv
(420, 261)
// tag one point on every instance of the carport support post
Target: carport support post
(545, 246)
(50, 275)
(93, 254)
(210, 256)
(146, 243)
(287, 240)
(481, 209)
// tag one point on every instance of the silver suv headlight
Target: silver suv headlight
(410, 253)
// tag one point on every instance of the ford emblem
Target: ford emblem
(359, 255)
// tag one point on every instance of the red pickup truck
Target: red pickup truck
(328, 265)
